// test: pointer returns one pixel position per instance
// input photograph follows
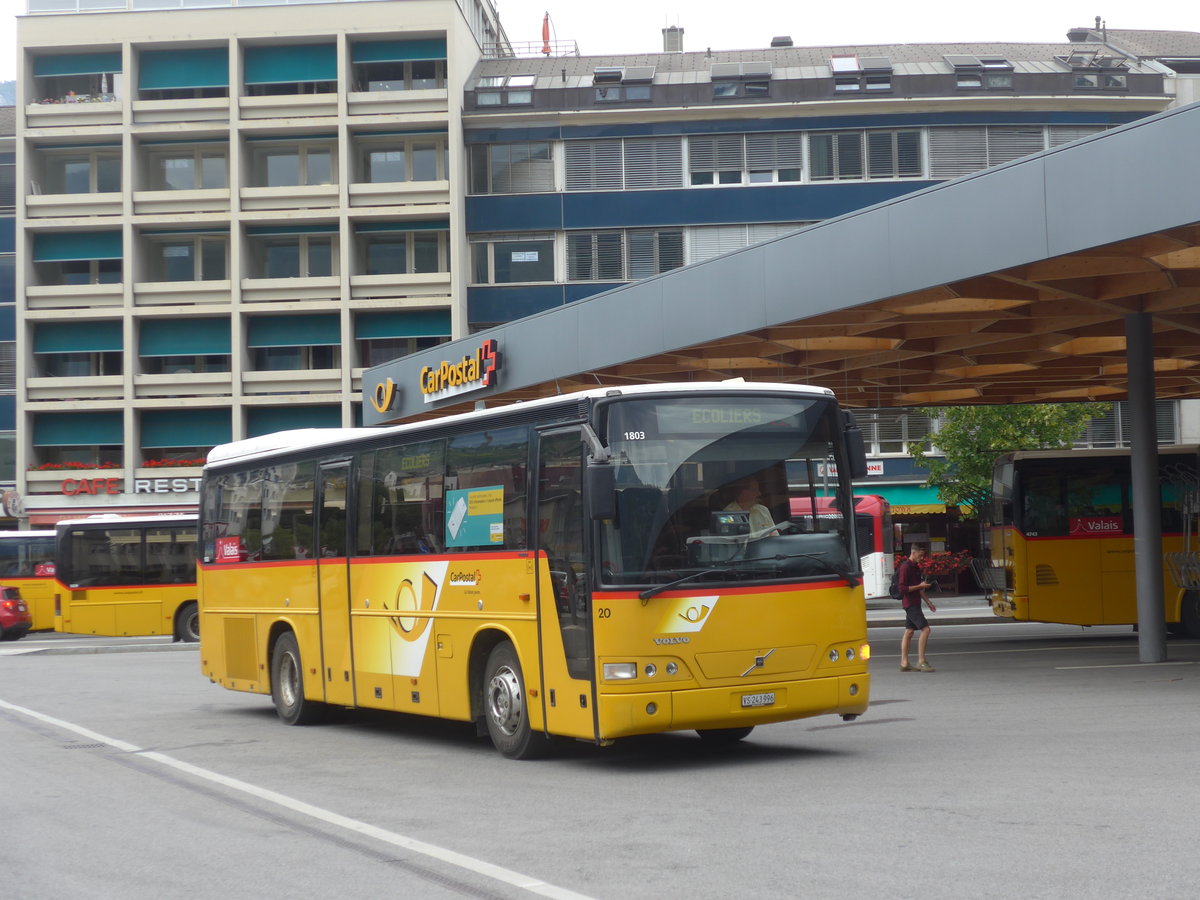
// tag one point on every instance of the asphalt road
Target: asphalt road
(1038, 761)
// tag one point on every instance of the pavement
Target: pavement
(952, 609)
(966, 609)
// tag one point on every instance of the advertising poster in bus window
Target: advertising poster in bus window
(475, 517)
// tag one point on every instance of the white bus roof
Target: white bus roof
(1093, 452)
(304, 438)
(113, 519)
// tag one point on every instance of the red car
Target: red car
(15, 618)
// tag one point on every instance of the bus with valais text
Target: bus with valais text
(576, 566)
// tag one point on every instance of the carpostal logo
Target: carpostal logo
(467, 579)
(471, 373)
(687, 615)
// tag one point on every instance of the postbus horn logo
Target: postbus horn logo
(384, 395)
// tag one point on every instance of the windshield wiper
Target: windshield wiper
(733, 563)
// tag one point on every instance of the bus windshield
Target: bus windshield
(703, 490)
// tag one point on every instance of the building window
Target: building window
(292, 166)
(377, 351)
(706, 241)
(890, 431)
(77, 365)
(504, 90)
(290, 69)
(184, 365)
(79, 271)
(622, 255)
(1112, 428)
(77, 77)
(853, 73)
(186, 258)
(404, 252)
(836, 156)
(8, 278)
(293, 255)
(403, 159)
(182, 169)
(8, 181)
(524, 168)
(286, 343)
(183, 73)
(894, 154)
(415, 75)
(81, 171)
(750, 159)
(512, 259)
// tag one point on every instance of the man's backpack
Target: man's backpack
(894, 588)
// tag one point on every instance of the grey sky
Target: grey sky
(635, 26)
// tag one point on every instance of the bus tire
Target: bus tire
(287, 684)
(505, 708)
(1189, 614)
(187, 623)
(720, 736)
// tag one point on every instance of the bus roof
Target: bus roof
(1092, 452)
(305, 438)
(103, 519)
(23, 535)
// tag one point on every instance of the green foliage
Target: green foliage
(971, 437)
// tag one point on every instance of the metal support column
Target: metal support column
(1147, 496)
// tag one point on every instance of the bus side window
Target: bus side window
(402, 490)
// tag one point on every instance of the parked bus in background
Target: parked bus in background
(1061, 536)
(127, 576)
(873, 532)
(27, 564)
(573, 566)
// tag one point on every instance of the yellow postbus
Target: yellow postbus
(1061, 537)
(127, 576)
(27, 563)
(575, 566)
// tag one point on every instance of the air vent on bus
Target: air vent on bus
(1044, 575)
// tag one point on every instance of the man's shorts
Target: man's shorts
(914, 618)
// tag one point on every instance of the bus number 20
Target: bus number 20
(603, 612)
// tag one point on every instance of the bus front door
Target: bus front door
(330, 543)
(562, 550)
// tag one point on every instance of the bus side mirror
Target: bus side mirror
(856, 446)
(602, 490)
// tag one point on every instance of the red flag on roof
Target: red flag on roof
(546, 34)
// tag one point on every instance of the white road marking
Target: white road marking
(1182, 662)
(461, 860)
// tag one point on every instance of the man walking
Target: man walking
(912, 593)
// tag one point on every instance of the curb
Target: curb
(977, 619)
(111, 648)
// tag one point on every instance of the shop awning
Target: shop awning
(909, 499)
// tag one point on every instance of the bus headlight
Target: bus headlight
(620, 671)
(651, 670)
(833, 655)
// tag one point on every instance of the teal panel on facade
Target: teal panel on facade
(425, 323)
(76, 245)
(280, 230)
(905, 494)
(201, 67)
(431, 225)
(184, 337)
(397, 51)
(77, 337)
(185, 428)
(77, 429)
(77, 64)
(291, 63)
(294, 331)
(270, 419)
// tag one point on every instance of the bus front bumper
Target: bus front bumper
(621, 715)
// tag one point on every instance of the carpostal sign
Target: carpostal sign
(450, 378)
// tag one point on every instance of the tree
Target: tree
(971, 437)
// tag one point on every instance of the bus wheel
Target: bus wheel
(187, 623)
(287, 684)
(1189, 615)
(504, 706)
(718, 736)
